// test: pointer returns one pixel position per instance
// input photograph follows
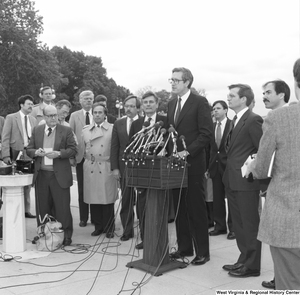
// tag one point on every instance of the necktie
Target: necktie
(228, 138)
(49, 131)
(129, 125)
(26, 127)
(98, 125)
(87, 118)
(218, 134)
(178, 110)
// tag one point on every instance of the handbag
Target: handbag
(50, 234)
(25, 166)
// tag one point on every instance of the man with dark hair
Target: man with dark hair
(276, 94)
(103, 100)
(190, 114)
(78, 120)
(243, 196)
(100, 186)
(150, 103)
(16, 135)
(217, 165)
(280, 221)
(119, 141)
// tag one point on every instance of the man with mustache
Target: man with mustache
(119, 141)
(276, 94)
(15, 138)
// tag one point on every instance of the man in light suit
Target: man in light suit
(15, 138)
(150, 103)
(119, 141)
(217, 165)
(51, 145)
(280, 222)
(78, 120)
(276, 94)
(243, 195)
(190, 114)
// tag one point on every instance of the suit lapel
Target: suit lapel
(238, 127)
(188, 104)
(40, 133)
(225, 133)
(123, 129)
(172, 107)
(19, 123)
(58, 138)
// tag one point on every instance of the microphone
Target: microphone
(173, 133)
(163, 131)
(161, 124)
(182, 138)
(146, 125)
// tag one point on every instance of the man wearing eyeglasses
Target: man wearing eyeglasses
(190, 115)
(119, 141)
(15, 138)
(78, 120)
(51, 145)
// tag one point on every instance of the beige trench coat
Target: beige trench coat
(100, 187)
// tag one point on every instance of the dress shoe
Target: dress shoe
(126, 237)
(216, 232)
(269, 285)
(230, 267)
(97, 232)
(179, 254)
(110, 235)
(244, 272)
(139, 246)
(67, 241)
(82, 223)
(231, 236)
(29, 215)
(199, 260)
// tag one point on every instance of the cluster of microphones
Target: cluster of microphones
(152, 141)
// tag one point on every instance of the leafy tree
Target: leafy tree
(25, 63)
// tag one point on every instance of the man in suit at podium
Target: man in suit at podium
(16, 136)
(190, 114)
(119, 141)
(217, 165)
(77, 121)
(150, 102)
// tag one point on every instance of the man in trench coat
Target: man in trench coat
(100, 187)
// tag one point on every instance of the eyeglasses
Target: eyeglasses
(51, 116)
(88, 98)
(174, 81)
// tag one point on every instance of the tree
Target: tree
(25, 62)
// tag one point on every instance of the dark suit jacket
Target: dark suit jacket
(65, 143)
(244, 142)
(119, 141)
(111, 119)
(137, 125)
(196, 125)
(218, 156)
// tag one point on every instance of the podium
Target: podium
(158, 176)
(14, 233)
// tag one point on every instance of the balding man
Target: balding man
(78, 120)
(51, 145)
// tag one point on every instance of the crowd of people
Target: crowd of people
(215, 148)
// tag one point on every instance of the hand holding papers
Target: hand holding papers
(248, 167)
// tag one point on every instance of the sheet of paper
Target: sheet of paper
(244, 167)
(271, 165)
(46, 159)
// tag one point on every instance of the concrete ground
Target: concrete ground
(97, 265)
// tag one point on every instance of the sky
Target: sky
(222, 42)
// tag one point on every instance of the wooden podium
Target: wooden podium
(158, 176)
